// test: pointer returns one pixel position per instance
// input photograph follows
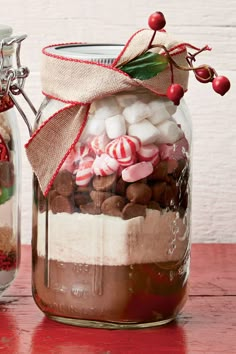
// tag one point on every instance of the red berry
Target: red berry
(175, 92)
(221, 85)
(204, 74)
(157, 21)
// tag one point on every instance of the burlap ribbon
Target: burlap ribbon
(78, 83)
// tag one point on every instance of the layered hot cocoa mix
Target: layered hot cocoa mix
(8, 236)
(111, 239)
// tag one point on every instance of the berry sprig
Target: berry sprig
(203, 73)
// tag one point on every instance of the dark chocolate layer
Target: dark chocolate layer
(135, 293)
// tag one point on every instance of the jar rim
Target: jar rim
(99, 52)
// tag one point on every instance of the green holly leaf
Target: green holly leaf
(145, 66)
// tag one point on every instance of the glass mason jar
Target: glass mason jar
(9, 174)
(111, 241)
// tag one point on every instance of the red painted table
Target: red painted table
(207, 325)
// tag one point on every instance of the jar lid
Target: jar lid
(5, 31)
(99, 53)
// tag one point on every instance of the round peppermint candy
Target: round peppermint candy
(123, 147)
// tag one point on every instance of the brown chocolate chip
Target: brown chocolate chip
(81, 199)
(121, 186)
(51, 195)
(104, 183)
(139, 193)
(113, 205)
(6, 174)
(61, 204)
(90, 208)
(98, 197)
(158, 190)
(63, 183)
(153, 205)
(166, 194)
(132, 210)
(160, 172)
(83, 189)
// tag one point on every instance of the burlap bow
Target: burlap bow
(78, 83)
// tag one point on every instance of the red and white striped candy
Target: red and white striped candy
(149, 153)
(123, 147)
(105, 165)
(82, 151)
(85, 172)
(136, 172)
(99, 143)
(127, 161)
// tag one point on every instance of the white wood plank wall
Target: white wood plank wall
(214, 118)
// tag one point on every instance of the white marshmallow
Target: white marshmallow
(159, 111)
(106, 107)
(93, 127)
(145, 131)
(115, 126)
(169, 132)
(126, 100)
(136, 112)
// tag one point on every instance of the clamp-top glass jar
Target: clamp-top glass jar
(9, 173)
(11, 83)
(111, 240)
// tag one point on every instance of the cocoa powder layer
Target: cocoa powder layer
(139, 293)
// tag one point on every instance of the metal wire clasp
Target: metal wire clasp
(12, 80)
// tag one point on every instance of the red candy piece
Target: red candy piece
(123, 147)
(105, 165)
(99, 143)
(82, 150)
(149, 153)
(138, 171)
(127, 161)
(84, 172)
(4, 153)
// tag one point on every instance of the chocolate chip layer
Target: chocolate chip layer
(166, 187)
